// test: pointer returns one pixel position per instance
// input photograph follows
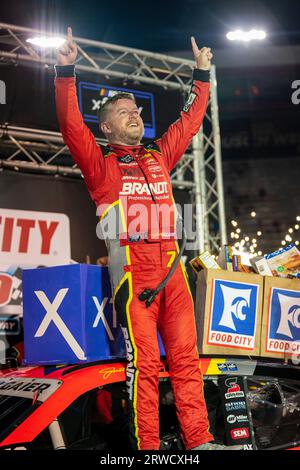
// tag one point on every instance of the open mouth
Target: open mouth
(133, 124)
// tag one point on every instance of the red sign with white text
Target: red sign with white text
(34, 238)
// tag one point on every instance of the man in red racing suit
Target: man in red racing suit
(123, 179)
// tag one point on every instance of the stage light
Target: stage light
(288, 238)
(298, 218)
(297, 227)
(232, 234)
(258, 233)
(253, 240)
(234, 223)
(246, 36)
(246, 239)
(46, 42)
(259, 253)
(290, 230)
(238, 230)
(296, 242)
(253, 214)
(283, 242)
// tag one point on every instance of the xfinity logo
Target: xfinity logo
(52, 315)
(144, 188)
(233, 314)
(284, 321)
(33, 238)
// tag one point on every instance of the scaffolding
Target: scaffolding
(200, 169)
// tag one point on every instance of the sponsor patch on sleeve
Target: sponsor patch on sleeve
(189, 101)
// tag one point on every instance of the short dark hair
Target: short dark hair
(104, 108)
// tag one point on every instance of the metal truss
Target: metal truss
(199, 171)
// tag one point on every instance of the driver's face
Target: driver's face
(124, 123)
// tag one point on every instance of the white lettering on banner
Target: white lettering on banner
(231, 339)
(100, 315)
(144, 188)
(289, 314)
(33, 238)
(233, 306)
(52, 315)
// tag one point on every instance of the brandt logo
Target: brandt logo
(2, 92)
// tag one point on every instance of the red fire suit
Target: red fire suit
(132, 191)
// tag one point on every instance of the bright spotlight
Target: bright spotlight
(246, 36)
(46, 42)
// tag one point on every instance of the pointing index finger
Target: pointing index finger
(69, 34)
(194, 45)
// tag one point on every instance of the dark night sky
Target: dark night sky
(159, 25)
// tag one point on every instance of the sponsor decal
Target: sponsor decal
(131, 171)
(284, 321)
(144, 188)
(34, 238)
(231, 419)
(28, 387)
(233, 314)
(126, 159)
(189, 101)
(130, 370)
(230, 366)
(233, 389)
(239, 433)
(236, 405)
(9, 325)
(248, 447)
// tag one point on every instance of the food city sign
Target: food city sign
(284, 321)
(233, 314)
(34, 238)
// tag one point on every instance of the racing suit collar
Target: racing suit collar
(126, 148)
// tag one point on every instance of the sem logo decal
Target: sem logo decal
(284, 321)
(233, 314)
(239, 433)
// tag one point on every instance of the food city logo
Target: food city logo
(34, 238)
(233, 314)
(284, 322)
(296, 94)
(233, 389)
(2, 92)
(52, 316)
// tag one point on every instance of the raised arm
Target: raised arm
(178, 136)
(76, 134)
